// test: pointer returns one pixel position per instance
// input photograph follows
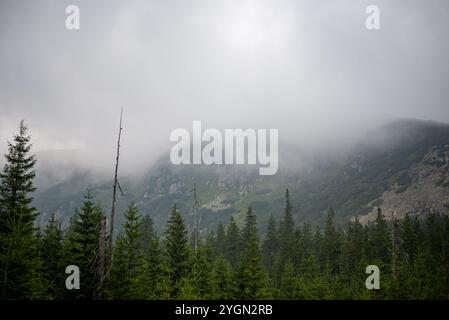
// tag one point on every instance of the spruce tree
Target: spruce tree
(51, 252)
(288, 282)
(83, 243)
(148, 232)
(307, 241)
(251, 275)
(380, 239)
(298, 248)
(153, 282)
(352, 248)
(286, 232)
(18, 251)
(17, 184)
(128, 262)
(223, 285)
(270, 245)
(409, 237)
(201, 273)
(233, 243)
(220, 242)
(330, 249)
(352, 264)
(177, 251)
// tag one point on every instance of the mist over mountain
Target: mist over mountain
(58, 166)
(402, 166)
(312, 70)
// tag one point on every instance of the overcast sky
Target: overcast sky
(309, 68)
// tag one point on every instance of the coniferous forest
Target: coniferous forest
(233, 262)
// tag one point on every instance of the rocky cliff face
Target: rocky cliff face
(421, 189)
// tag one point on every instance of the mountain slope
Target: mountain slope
(402, 167)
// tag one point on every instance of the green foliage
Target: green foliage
(292, 262)
(19, 259)
(288, 282)
(251, 276)
(201, 273)
(152, 281)
(177, 252)
(223, 284)
(286, 232)
(83, 241)
(128, 259)
(330, 246)
(17, 185)
(51, 252)
(270, 246)
(233, 243)
(220, 241)
(148, 232)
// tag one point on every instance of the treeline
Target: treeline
(290, 262)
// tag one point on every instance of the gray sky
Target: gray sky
(309, 68)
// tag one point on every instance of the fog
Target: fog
(308, 68)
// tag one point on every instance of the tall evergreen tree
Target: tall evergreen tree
(233, 243)
(352, 248)
(148, 232)
(152, 281)
(223, 285)
(17, 184)
(409, 237)
(128, 262)
(307, 240)
(380, 239)
(331, 246)
(286, 232)
(201, 273)
(220, 243)
(270, 245)
(288, 282)
(51, 252)
(18, 252)
(83, 246)
(177, 251)
(251, 275)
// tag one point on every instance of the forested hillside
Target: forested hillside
(233, 261)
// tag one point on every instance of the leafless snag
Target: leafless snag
(196, 218)
(105, 268)
(114, 191)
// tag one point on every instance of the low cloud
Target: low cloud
(308, 68)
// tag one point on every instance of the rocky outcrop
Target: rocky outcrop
(422, 189)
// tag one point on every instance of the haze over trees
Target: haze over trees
(233, 262)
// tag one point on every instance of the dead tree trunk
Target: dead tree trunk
(196, 218)
(114, 192)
